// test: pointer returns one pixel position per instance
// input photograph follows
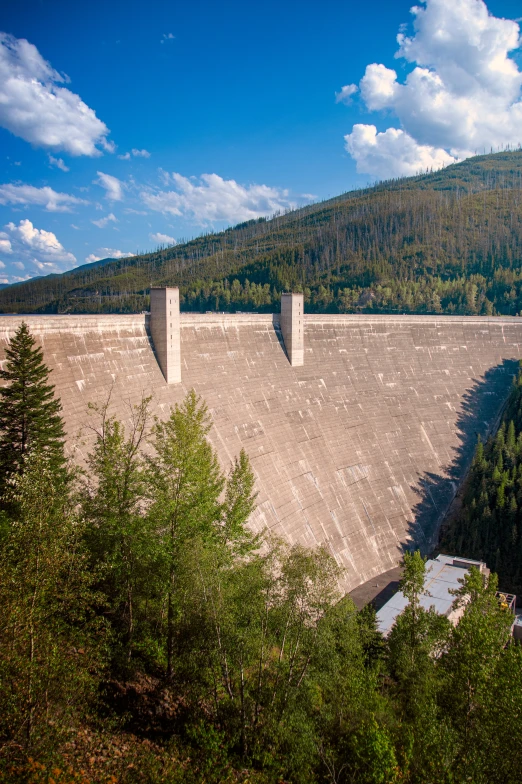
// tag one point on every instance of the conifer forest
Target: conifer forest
(146, 635)
(448, 242)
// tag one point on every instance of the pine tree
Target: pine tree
(185, 483)
(117, 534)
(187, 506)
(30, 418)
(479, 453)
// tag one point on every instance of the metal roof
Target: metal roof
(442, 576)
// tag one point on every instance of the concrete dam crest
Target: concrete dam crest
(359, 428)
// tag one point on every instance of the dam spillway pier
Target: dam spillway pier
(165, 331)
(360, 448)
(292, 327)
(164, 326)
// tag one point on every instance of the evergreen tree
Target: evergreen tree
(472, 659)
(414, 645)
(417, 636)
(29, 412)
(185, 483)
(239, 503)
(46, 601)
(117, 534)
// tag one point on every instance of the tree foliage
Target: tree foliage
(29, 412)
(51, 650)
(146, 634)
(117, 534)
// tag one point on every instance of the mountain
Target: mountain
(92, 265)
(442, 242)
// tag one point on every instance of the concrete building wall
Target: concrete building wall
(165, 331)
(359, 449)
(292, 327)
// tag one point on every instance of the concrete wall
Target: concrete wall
(361, 448)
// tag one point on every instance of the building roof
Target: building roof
(442, 576)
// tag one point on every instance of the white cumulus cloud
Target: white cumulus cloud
(112, 185)
(393, 151)
(103, 222)
(5, 243)
(107, 253)
(161, 239)
(212, 199)
(36, 250)
(462, 96)
(135, 153)
(346, 93)
(36, 107)
(46, 197)
(59, 163)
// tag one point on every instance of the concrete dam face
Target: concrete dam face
(359, 428)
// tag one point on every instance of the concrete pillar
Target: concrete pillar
(165, 331)
(292, 327)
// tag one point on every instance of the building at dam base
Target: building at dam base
(359, 447)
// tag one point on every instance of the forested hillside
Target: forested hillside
(445, 242)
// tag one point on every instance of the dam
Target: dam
(359, 427)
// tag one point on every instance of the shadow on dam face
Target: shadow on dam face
(359, 449)
(480, 413)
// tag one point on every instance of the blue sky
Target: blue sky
(128, 125)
